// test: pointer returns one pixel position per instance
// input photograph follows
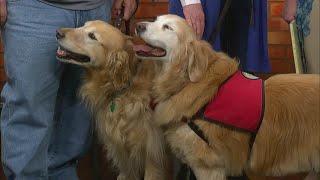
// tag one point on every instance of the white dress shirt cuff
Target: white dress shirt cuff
(188, 2)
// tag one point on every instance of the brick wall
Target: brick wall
(280, 50)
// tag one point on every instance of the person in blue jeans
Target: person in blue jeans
(44, 126)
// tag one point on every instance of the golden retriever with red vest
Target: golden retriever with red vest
(288, 140)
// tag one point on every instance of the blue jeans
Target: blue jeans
(44, 126)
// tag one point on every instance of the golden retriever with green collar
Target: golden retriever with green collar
(116, 89)
(288, 140)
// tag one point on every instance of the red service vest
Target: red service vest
(239, 103)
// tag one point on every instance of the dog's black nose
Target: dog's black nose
(141, 27)
(60, 34)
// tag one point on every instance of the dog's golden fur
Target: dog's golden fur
(288, 140)
(116, 88)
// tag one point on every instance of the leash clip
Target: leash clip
(119, 19)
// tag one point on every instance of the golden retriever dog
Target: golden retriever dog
(116, 89)
(288, 140)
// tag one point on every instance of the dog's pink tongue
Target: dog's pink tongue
(148, 51)
(142, 47)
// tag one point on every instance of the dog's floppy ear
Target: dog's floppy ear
(119, 68)
(199, 53)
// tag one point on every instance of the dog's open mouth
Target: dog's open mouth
(64, 54)
(147, 50)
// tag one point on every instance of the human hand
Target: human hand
(195, 17)
(3, 12)
(289, 10)
(129, 8)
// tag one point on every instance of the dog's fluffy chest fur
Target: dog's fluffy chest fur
(123, 117)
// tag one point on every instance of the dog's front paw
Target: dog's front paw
(164, 114)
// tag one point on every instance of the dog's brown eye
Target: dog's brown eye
(92, 36)
(167, 27)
